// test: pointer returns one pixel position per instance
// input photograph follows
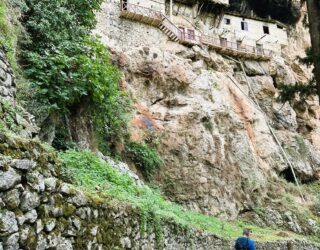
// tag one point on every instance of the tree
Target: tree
(314, 24)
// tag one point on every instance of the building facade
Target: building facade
(207, 24)
(261, 33)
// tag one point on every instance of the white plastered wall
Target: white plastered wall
(275, 40)
(158, 5)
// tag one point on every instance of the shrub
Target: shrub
(69, 69)
(144, 157)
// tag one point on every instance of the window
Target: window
(223, 42)
(227, 21)
(279, 27)
(266, 30)
(260, 48)
(183, 32)
(244, 26)
(191, 34)
(239, 45)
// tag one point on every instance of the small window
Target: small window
(266, 30)
(223, 42)
(239, 45)
(279, 27)
(260, 48)
(227, 21)
(244, 26)
(191, 34)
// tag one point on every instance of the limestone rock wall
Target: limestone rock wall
(39, 211)
(220, 157)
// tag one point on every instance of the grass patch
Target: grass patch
(10, 31)
(89, 173)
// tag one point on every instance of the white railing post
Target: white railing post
(171, 9)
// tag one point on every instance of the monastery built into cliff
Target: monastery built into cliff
(210, 24)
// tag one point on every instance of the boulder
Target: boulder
(9, 179)
(24, 164)
(12, 198)
(8, 222)
(29, 201)
(31, 216)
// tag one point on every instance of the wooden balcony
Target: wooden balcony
(236, 49)
(140, 14)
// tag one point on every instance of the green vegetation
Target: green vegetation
(10, 30)
(90, 173)
(317, 204)
(144, 157)
(8, 117)
(69, 69)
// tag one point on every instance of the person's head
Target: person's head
(246, 232)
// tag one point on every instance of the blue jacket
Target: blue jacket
(251, 245)
(244, 241)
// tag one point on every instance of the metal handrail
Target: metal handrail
(221, 43)
(171, 26)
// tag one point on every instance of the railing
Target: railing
(137, 9)
(172, 27)
(191, 39)
(217, 42)
(239, 47)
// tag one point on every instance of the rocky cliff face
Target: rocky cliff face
(220, 156)
(287, 11)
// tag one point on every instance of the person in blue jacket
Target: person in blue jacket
(244, 242)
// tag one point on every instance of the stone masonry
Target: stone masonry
(7, 81)
(39, 211)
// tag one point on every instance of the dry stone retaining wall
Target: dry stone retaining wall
(39, 211)
(7, 81)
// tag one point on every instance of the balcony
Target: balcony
(236, 49)
(140, 14)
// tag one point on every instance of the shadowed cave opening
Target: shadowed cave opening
(287, 175)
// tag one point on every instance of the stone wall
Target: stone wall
(7, 81)
(40, 211)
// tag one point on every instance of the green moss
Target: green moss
(68, 210)
(97, 201)
(10, 31)
(158, 231)
(62, 224)
(43, 211)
